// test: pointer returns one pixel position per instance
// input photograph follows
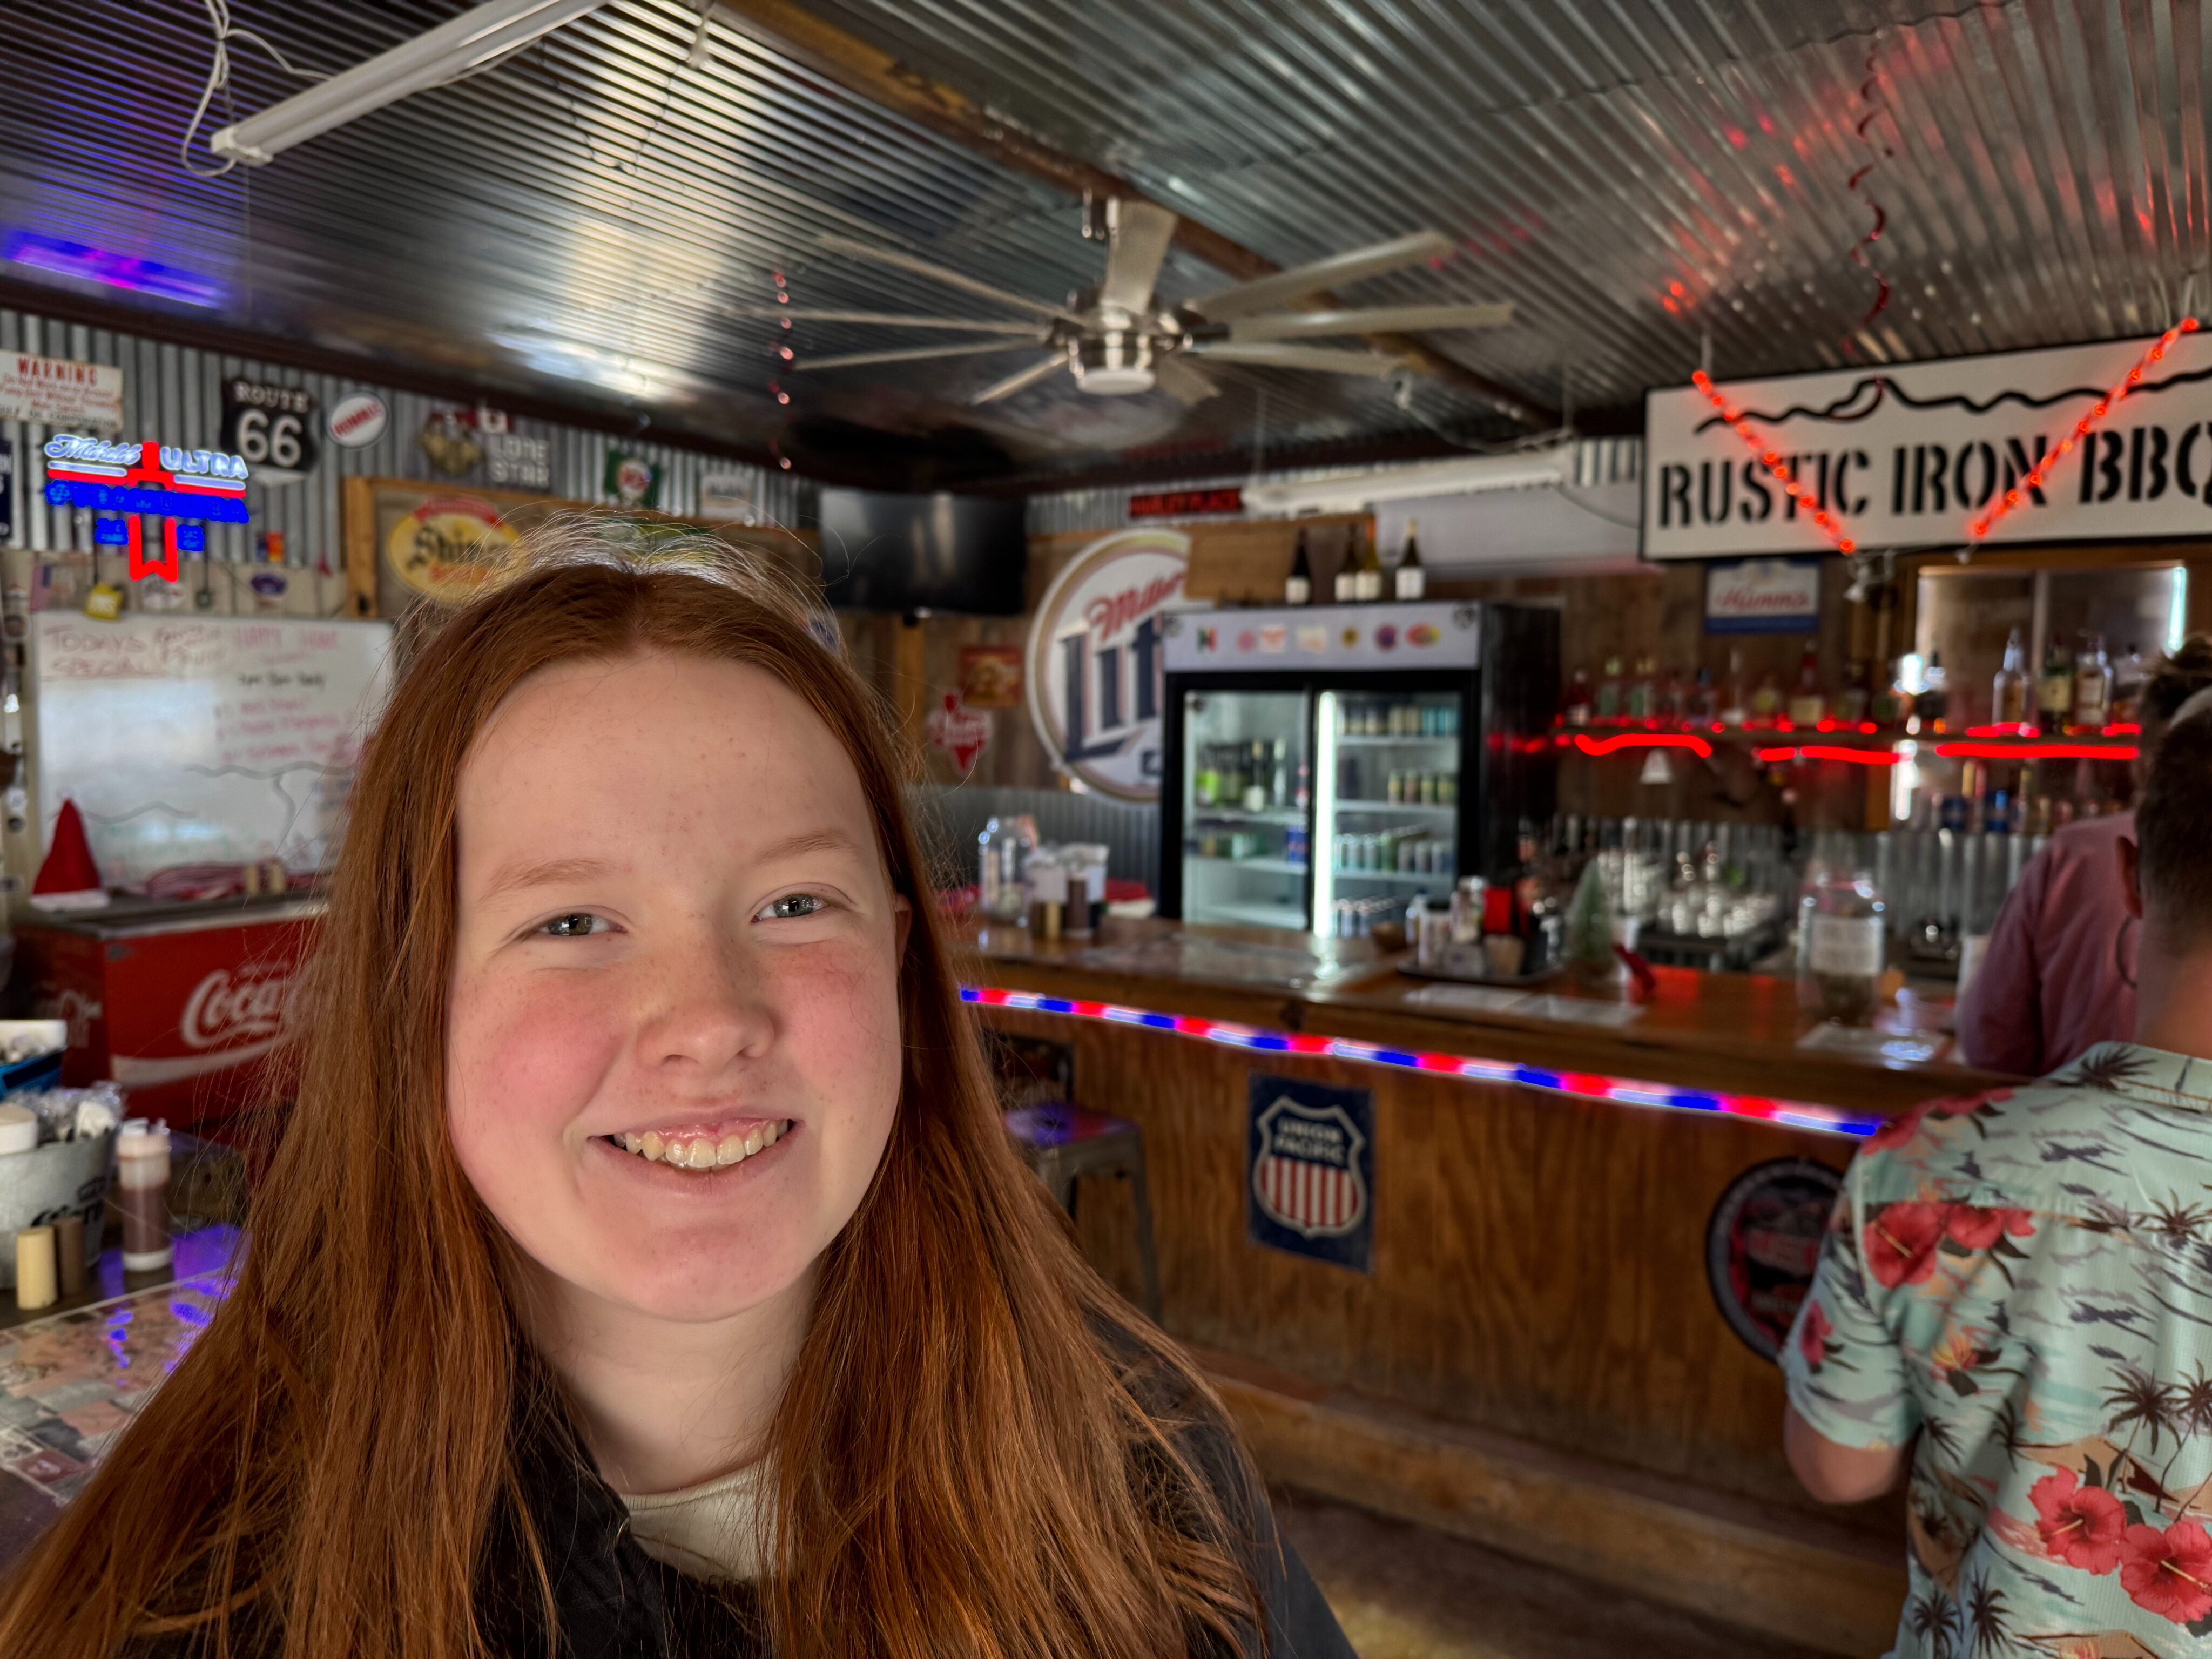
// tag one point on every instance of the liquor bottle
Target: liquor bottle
(1640, 690)
(1806, 706)
(1298, 587)
(1609, 693)
(1766, 702)
(1733, 711)
(1577, 708)
(1705, 699)
(1347, 573)
(1852, 699)
(1885, 708)
(1667, 700)
(2054, 692)
(2129, 675)
(1933, 704)
(2009, 692)
(2093, 685)
(1411, 579)
(1369, 587)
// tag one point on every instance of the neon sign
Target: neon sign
(165, 481)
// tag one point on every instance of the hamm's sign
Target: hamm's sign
(1905, 454)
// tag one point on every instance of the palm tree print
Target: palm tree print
(2104, 1068)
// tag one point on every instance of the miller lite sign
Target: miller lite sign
(1096, 669)
(1311, 1172)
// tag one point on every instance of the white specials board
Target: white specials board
(201, 740)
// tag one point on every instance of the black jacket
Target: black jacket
(615, 1601)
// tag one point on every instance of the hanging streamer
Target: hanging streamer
(1857, 186)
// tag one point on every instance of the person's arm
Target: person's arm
(1834, 1474)
(1851, 1414)
(2000, 1015)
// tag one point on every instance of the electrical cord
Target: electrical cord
(218, 80)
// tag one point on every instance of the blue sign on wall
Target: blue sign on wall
(1309, 1170)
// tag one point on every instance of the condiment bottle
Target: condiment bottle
(141, 1179)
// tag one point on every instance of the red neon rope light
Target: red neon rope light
(2037, 751)
(1697, 746)
(1829, 751)
(1827, 1120)
(1979, 528)
(1772, 460)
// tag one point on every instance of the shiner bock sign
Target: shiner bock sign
(1905, 454)
(1309, 1186)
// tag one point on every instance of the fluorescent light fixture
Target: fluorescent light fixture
(453, 48)
(1351, 492)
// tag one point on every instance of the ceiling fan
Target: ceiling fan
(1116, 339)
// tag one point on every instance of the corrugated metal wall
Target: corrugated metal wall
(1596, 461)
(173, 394)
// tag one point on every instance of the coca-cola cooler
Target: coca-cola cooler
(182, 1005)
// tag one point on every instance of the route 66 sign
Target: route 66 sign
(271, 427)
(1310, 1182)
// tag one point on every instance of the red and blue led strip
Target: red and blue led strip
(1580, 1085)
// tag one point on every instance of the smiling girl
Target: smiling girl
(644, 1269)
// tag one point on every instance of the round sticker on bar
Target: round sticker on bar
(1762, 1245)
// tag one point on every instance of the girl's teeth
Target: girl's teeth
(701, 1153)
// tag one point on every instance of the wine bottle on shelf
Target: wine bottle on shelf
(1298, 587)
(1733, 711)
(1609, 697)
(1641, 690)
(1705, 699)
(1371, 571)
(2054, 692)
(1410, 579)
(2129, 674)
(1347, 573)
(1933, 704)
(1578, 706)
(2093, 685)
(2010, 692)
(1806, 706)
(1852, 699)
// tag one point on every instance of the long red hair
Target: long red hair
(969, 1456)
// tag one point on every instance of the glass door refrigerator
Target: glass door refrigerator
(1328, 762)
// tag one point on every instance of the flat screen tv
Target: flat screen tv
(882, 551)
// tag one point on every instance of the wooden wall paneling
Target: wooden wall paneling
(1540, 1262)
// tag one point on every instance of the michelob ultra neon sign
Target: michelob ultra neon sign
(174, 484)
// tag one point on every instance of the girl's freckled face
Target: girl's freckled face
(674, 932)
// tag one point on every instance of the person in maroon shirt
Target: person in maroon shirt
(2058, 975)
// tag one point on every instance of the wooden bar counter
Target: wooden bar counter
(1536, 1359)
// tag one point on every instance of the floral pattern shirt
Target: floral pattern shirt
(2024, 1279)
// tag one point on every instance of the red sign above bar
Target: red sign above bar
(1186, 503)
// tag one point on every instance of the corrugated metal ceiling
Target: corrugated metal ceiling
(1634, 174)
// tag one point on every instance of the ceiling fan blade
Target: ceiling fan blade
(1021, 381)
(1270, 355)
(1139, 234)
(888, 319)
(1264, 293)
(1183, 381)
(913, 354)
(1377, 320)
(884, 256)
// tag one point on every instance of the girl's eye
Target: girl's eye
(578, 926)
(791, 907)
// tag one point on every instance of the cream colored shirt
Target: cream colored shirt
(716, 1529)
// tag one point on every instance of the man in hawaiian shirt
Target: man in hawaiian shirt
(2025, 1281)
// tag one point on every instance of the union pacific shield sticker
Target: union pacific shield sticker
(1309, 1170)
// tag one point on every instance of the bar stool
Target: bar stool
(1062, 1142)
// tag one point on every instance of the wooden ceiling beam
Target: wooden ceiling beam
(868, 72)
